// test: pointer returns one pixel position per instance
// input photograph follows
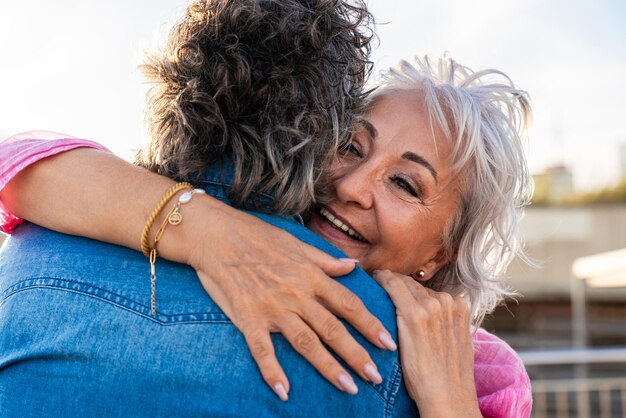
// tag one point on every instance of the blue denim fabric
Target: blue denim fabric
(77, 338)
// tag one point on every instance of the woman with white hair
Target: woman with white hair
(426, 196)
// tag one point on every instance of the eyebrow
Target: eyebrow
(408, 155)
(411, 156)
(369, 127)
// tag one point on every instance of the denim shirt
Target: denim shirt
(77, 337)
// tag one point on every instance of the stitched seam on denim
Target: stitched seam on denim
(128, 309)
(117, 300)
(393, 390)
(379, 391)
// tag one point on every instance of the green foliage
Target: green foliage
(615, 194)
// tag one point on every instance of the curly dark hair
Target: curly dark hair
(274, 84)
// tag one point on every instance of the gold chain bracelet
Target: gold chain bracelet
(174, 217)
(145, 235)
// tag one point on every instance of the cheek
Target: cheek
(410, 240)
(404, 234)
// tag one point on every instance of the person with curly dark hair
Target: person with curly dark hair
(275, 85)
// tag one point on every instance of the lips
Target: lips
(341, 225)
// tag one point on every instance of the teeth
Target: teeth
(340, 225)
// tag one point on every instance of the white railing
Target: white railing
(581, 396)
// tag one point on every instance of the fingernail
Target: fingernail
(372, 374)
(387, 341)
(347, 384)
(349, 260)
(281, 392)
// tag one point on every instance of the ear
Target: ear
(433, 265)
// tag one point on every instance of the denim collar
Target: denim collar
(217, 180)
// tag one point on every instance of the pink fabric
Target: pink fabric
(22, 150)
(502, 384)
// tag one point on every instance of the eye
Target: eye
(353, 148)
(407, 186)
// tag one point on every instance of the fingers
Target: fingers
(336, 336)
(435, 347)
(406, 292)
(348, 306)
(262, 350)
(334, 267)
(400, 292)
(305, 341)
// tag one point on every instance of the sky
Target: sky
(70, 66)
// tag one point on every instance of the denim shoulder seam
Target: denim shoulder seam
(113, 299)
(393, 390)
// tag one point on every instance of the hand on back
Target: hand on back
(265, 280)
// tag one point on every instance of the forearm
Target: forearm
(95, 194)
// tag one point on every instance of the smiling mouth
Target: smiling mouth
(340, 226)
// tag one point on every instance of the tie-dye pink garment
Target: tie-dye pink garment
(502, 384)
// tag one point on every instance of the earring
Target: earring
(421, 273)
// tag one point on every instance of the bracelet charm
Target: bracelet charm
(174, 217)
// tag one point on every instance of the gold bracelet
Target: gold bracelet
(145, 235)
(174, 217)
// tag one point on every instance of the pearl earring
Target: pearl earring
(421, 273)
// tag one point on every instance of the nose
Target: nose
(355, 185)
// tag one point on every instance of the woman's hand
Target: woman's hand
(435, 347)
(265, 280)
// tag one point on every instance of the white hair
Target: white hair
(484, 117)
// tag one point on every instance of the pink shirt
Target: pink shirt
(22, 150)
(502, 384)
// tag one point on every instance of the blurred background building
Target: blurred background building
(570, 327)
(553, 185)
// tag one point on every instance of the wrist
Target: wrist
(172, 217)
(200, 217)
(450, 405)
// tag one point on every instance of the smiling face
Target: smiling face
(392, 192)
